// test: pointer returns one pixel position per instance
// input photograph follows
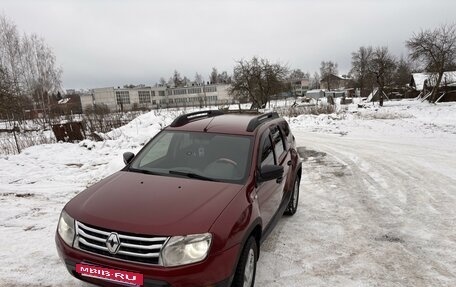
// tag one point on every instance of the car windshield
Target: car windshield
(197, 155)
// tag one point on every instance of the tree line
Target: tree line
(176, 80)
(29, 75)
(430, 50)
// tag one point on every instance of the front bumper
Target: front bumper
(215, 271)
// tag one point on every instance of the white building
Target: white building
(118, 99)
(299, 86)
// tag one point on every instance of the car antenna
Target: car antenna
(205, 128)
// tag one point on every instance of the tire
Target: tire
(294, 199)
(246, 268)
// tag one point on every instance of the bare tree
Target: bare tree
(219, 78)
(162, 82)
(96, 117)
(327, 71)
(402, 73)
(360, 69)
(186, 81)
(41, 77)
(170, 82)
(258, 80)
(6, 94)
(213, 76)
(382, 66)
(223, 78)
(297, 74)
(315, 81)
(436, 49)
(198, 79)
(29, 66)
(177, 79)
(10, 52)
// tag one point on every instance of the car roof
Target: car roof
(231, 123)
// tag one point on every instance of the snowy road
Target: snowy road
(372, 213)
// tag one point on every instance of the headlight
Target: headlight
(66, 228)
(181, 250)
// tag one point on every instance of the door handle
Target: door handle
(280, 179)
(289, 162)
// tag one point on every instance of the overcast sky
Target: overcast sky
(100, 43)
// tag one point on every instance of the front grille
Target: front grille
(142, 249)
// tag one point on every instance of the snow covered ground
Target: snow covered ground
(377, 205)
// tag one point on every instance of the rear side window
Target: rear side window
(286, 130)
(279, 147)
(267, 154)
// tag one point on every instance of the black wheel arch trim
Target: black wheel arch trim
(254, 225)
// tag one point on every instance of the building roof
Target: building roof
(417, 80)
(339, 77)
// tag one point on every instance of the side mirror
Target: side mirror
(270, 172)
(128, 157)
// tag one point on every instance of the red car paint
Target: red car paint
(156, 205)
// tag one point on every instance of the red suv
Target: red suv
(190, 209)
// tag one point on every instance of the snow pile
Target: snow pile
(407, 117)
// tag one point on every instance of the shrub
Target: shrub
(306, 110)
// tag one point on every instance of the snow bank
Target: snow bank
(407, 117)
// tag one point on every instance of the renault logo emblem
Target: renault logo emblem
(113, 243)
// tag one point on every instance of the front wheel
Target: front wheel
(246, 269)
(293, 203)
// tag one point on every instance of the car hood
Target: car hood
(153, 205)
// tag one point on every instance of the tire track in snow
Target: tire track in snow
(368, 216)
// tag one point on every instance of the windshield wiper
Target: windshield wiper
(192, 175)
(145, 171)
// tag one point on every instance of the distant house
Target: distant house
(69, 104)
(335, 82)
(422, 84)
(299, 86)
(315, 94)
(72, 103)
(418, 81)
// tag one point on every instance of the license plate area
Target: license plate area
(108, 274)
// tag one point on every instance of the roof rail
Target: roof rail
(240, 112)
(256, 121)
(185, 119)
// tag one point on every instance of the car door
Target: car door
(269, 193)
